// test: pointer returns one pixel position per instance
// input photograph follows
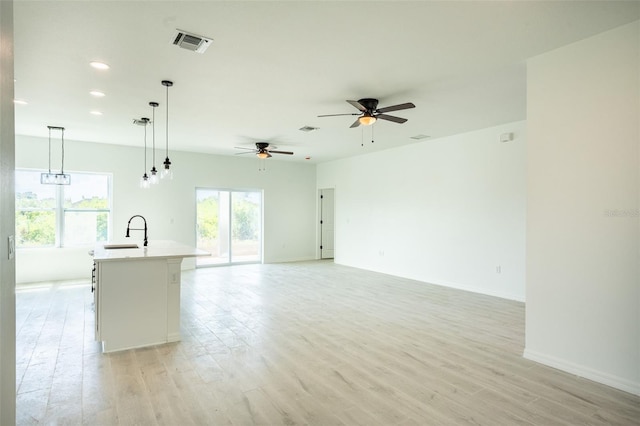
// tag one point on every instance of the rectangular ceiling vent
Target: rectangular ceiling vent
(191, 41)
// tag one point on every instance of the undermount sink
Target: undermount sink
(120, 246)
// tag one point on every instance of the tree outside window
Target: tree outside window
(61, 215)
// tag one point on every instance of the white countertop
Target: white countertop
(156, 249)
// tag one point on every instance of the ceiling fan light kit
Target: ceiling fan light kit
(263, 151)
(367, 120)
(370, 113)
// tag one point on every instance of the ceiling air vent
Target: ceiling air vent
(191, 41)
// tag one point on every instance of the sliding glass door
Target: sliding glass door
(229, 226)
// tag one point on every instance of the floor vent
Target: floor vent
(191, 41)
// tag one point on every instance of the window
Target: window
(229, 226)
(62, 215)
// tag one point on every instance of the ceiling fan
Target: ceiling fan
(369, 112)
(262, 150)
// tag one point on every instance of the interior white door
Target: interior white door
(326, 223)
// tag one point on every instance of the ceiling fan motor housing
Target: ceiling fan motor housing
(369, 103)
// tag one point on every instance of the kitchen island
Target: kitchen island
(137, 293)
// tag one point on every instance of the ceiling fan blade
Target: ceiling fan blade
(355, 124)
(358, 105)
(391, 118)
(247, 152)
(241, 147)
(396, 107)
(280, 152)
(335, 115)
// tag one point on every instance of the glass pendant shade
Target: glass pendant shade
(55, 179)
(144, 181)
(166, 173)
(154, 178)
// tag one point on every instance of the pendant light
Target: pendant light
(154, 178)
(167, 173)
(144, 180)
(55, 178)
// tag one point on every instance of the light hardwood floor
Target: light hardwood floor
(301, 343)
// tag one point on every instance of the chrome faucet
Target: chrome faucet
(138, 229)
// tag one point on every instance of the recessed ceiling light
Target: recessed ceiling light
(19, 102)
(96, 93)
(99, 65)
(96, 113)
(418, 137)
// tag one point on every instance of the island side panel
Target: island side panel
(173, 299)
(133, 303)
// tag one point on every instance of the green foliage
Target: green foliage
(29, 200)
(35, 228)
(36, 219)
(102, 226)
(208, 218)
(246, 218)
(93, 203)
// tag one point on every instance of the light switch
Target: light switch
(506, 137)
(12, 246)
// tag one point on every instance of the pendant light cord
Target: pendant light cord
(62, 165)
(61, 130)
(49, 149)
(166, 123)
(145, 147)
(153, 128)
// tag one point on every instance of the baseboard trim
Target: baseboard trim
(290, 260)
(583, 371)
(480, 290)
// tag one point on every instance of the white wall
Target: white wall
(7, 209)
(289, 201)
(447, 211)
(583, 238)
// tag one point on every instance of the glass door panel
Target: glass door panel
(229, 226)
(245, 236)
(207, 227)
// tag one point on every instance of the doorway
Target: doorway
(229, 226)
(327, 225)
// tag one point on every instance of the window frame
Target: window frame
(60, 210)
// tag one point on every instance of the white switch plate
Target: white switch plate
(12, 246)
(506, 137)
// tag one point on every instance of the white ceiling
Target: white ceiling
(274, 66)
